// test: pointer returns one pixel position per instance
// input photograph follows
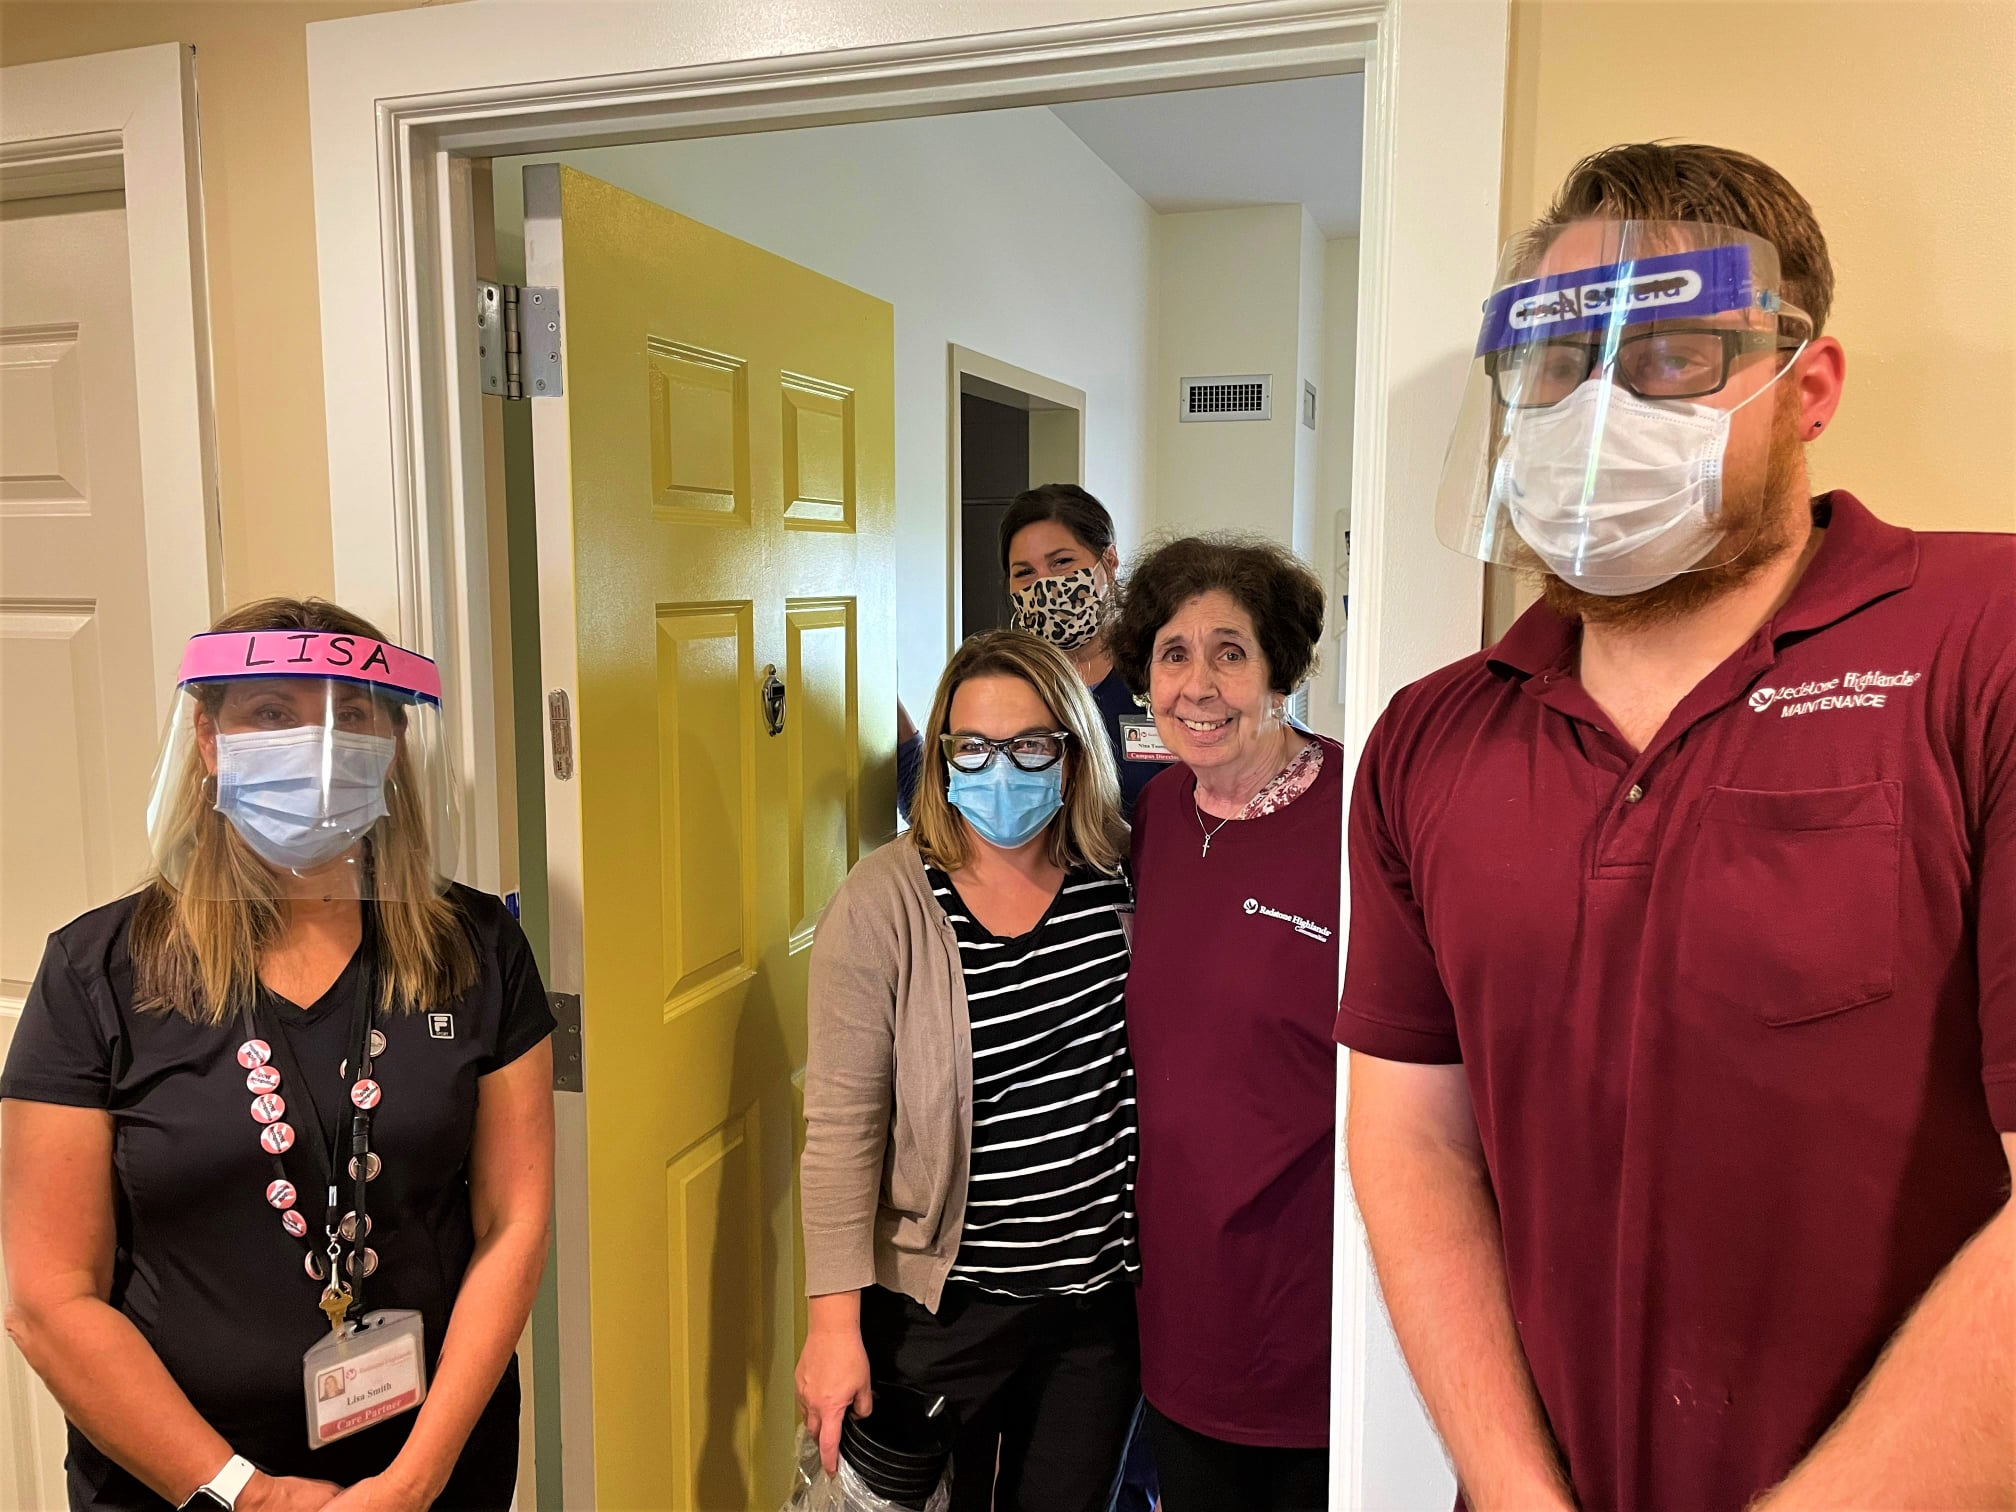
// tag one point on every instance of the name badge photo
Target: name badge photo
(1140, 741)
(369, 1372)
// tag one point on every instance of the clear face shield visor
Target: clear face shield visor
(1595, 428)
(303, 763)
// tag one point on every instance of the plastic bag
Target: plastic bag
(813, 1490)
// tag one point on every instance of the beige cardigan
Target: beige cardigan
(888, 1086)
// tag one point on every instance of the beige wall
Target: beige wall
(259, 217)
(1897, 119)
(1227, 302)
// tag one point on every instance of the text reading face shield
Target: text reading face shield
(1594, 437)
(303, 763)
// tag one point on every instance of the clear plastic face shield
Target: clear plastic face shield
(303, 763)
(1594, 433)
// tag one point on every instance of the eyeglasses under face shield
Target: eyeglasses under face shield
(1612, 356)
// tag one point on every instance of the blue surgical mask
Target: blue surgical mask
(1006, 805)
(303, 796)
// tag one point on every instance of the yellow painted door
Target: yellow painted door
(715, 496)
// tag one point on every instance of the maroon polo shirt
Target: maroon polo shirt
(1737, 1014)
(1229, 1015)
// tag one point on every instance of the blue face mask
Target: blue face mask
(303, 796)
(1006, 805)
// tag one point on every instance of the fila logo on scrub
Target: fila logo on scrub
(1302, 926)
(1851, 690)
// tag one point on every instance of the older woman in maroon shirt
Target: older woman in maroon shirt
(1230, 1008)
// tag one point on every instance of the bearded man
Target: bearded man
(1681, 984)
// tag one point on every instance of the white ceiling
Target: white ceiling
(1296, 142)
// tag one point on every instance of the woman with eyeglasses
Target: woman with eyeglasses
(968, 1173)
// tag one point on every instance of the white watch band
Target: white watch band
(227, 1484)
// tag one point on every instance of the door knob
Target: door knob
(773, 700)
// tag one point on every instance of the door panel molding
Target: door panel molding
(128, 120)
(706, 665)
(823, 758)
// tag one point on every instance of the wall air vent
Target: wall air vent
(1249, 397)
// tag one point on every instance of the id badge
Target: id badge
(369, 1372)
(1140, 741)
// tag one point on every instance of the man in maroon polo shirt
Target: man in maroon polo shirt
(1682, 966)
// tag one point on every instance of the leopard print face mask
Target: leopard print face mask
(1066, 611)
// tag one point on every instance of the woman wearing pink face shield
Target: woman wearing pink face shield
(278, 1126)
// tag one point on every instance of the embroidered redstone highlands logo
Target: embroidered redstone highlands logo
(1851, 690)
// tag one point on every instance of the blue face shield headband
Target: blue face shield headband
(1613, 360)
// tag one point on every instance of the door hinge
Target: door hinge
(518, 341)
(560, 726)
(567, 1057)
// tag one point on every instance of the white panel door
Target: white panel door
(77, 694)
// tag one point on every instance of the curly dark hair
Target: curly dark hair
(1267, 580)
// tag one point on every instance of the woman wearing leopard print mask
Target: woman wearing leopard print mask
(1058, 556)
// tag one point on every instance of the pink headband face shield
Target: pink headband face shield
(303, 763)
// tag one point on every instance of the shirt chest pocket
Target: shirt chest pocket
(1790, 904)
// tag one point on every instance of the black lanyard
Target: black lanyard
(328, 1157)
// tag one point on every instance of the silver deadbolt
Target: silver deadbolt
(773, 700)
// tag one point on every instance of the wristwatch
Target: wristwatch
(223, 1489)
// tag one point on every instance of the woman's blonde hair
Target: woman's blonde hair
(196, 947)
(1088, 831)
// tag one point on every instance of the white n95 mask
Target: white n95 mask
(1615, 494)
(303, 796)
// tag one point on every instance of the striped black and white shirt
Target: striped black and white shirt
(1050, 1204)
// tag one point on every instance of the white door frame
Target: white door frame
(401, 103)
(127, 120)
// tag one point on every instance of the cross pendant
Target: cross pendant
(1207, 846)
(335, 1303)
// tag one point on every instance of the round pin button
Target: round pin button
(366, 1093)
(372, 1166)
(278, 1138)
(254, 1052)
(270, 1108)
(316, 1266)
(294, 1223)
(281, 1194)
(262, 1079)
(377, 1044)
(348, 1227)
(370, 1262)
